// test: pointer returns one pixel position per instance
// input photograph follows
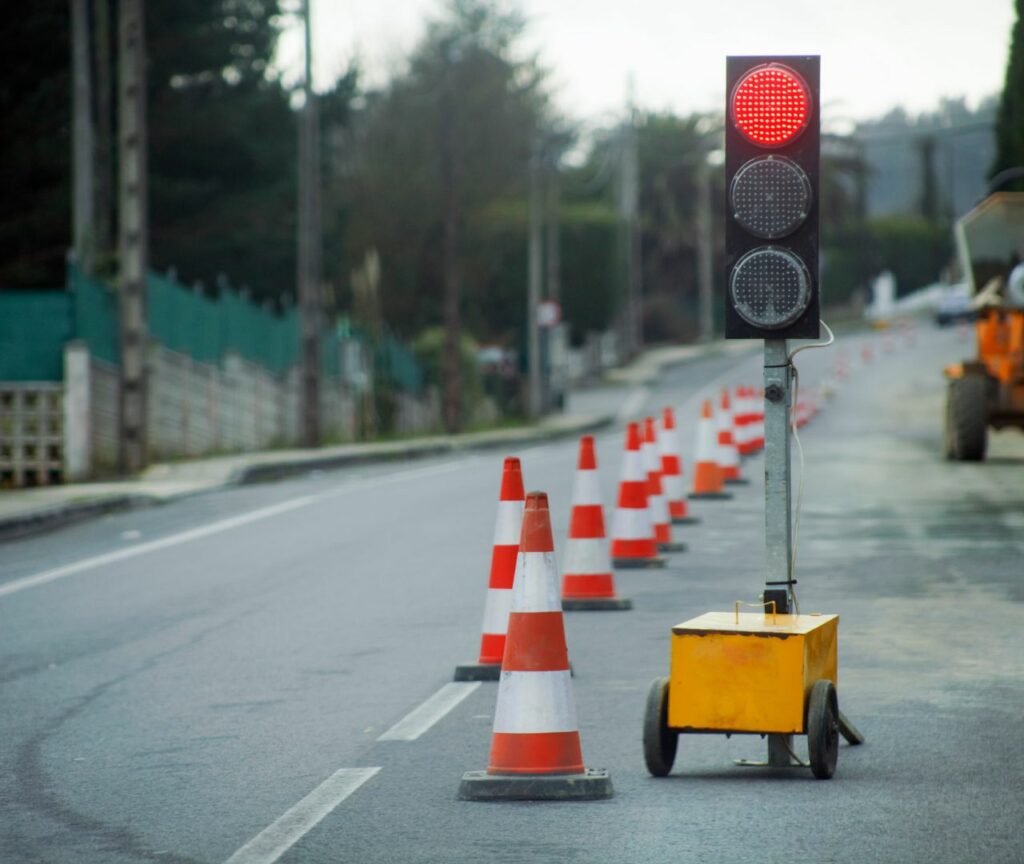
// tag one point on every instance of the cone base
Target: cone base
(672, 546)
(589, 786)
(737, 481)
(638, 563)
(686, 520)
(709, 496)
(477, 672)
(595, 604)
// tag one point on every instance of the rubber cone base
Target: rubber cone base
(709, 496)
(686, 520)
(638, 563)
(595, 604)
(737, 481)
(477, 672)
(589, 786)
(674, 546)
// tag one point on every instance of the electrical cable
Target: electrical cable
(794, 398)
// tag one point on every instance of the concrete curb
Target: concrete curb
(50, 517)
(56, 516)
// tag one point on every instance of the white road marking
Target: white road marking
(65, 570)
(278, 837)
(420, 719)
(56, 573)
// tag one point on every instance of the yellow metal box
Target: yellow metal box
(748, 672)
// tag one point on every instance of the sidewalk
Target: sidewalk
(29, 511)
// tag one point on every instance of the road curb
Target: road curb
(52, 517)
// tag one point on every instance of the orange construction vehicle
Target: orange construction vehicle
(988, 391)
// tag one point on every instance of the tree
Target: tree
(444, 146)
(1010, 118)
(35, 170)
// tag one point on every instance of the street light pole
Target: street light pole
(534, 278)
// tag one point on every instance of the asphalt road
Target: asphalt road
(209, 679)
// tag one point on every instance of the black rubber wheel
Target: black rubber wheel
(823, 729)
(967, 418)
(659, 740)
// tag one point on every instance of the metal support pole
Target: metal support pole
(777, 501)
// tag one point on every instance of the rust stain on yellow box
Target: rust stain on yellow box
(753, 675)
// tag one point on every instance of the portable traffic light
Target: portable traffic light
(772, 155)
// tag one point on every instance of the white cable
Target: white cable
(800, 453)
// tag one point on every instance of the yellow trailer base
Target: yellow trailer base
(748, 672)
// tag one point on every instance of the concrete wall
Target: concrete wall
(196, 409)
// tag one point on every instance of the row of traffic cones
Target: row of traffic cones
(535, 750)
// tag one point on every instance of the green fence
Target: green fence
(34, 325)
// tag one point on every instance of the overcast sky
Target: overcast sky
(876, 54)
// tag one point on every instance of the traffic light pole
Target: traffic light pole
(778, 487)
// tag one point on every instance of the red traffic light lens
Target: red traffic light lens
(771, 105)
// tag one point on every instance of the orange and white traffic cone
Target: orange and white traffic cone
(707, 474)
(729, 456)
(535, 745)
(633, 541)
(672, 479)
(657, 503)
(507, 528)
(758, 408)
(587, 580)
(743, 420)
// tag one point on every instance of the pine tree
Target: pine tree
(1010, 119)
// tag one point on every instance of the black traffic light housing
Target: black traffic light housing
(771, 214)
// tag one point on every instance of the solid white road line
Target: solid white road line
(634, 402)
(420, 719)
(56, 573)
(278, 837)
(47, 576)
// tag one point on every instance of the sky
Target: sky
(876, 54)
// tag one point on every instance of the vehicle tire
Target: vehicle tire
(659, 740)
(967, 418)
(823, 729)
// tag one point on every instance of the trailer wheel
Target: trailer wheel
(660, 741)
(823, 729)
(967, 419)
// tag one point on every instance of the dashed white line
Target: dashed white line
(278, 837)
(420, 719)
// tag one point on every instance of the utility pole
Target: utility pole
(103, 220)
(534, 279)
(309, 288)
(133, 232)
(629, 194)
(83, 211)
(450, 249)
(705, 252)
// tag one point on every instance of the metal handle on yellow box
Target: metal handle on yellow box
(762, 605)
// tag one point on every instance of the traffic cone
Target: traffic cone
(729, 457)
(507, 528)
(657, 503)
(535, 745)
(633, 541)
(759, 419)
(866, 353)
(672, 470)
(707, 475)
(743, 421)
(587, 580)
